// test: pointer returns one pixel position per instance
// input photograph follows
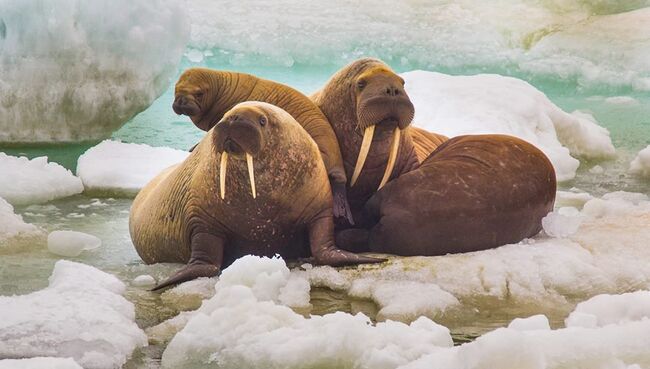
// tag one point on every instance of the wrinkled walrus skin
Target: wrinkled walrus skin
(255, 184)
(363, 95)
(205, 95)
(473, 193)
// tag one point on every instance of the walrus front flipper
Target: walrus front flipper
(205, 261)
(324, 250)
(342, 212)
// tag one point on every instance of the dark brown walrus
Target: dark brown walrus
(366, 104)
(473, 193)
(255, 184)
(205, 95)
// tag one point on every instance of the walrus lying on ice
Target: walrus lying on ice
(205, 95)
(255, 184)
(473, 193)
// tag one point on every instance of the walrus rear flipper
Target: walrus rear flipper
(324, 250)
(205, 261)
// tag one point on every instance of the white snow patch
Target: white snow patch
(12, 225)
(532, 323)
(33, 181)
(75, 70)
(244, 326)
(640, 166)
(124, 168)
(71, 243)
(40, 363)
(612, 309)
(81, 314)
(562, 222)
(489, 103)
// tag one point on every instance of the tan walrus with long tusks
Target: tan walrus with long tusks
(371, 115)
(205, 95)
(255, 184)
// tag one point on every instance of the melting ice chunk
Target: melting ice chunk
(70, 243)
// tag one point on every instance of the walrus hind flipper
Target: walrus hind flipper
(205, 261)
(324, 250)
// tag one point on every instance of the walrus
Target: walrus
(205, 95)
(473, 193)
(371, 113)
(255, 184)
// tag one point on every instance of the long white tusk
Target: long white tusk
(394, 148)
(251, 173)
(363, 153)
(222, 174)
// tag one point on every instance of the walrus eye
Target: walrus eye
(263, 120)
(198, 95)
(361, 84)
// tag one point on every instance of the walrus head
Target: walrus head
(193, 95)
(240, 135)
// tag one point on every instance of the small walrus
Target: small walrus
(255, 184)
(205, 95)
(366, 104)
(473, 193)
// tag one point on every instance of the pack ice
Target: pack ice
(74, 70)
(80, 315)
(247, 325)
(122, 168)
(490, 103)
(25, 181)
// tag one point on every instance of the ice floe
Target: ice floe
(640, 166)
(244, 326)
(71, 243)
(74, 70)
(33, 181)
(119, 168)
(81, 314)
(12, 225)
(489, 103)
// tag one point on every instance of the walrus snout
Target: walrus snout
(238, 136)
(185, 105)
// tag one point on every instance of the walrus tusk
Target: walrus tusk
(394, 148)
(251, 173)
(222, 174)
(363, 153)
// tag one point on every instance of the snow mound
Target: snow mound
(611, 309)
(81, 314)
(27, 181)
(39, 363)
(489, 103)
(73, 70)
(586, 42)
(12, 225)
(640, 166)
(244, 325)
(118, 168)
(70, 243)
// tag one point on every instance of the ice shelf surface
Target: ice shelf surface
(25, 181)
(74, 70)
(490, 103)
(81, 314)
(114, 167)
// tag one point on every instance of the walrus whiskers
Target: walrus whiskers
(363, 153)
(394, 148)
(251, 173)
(222, 174)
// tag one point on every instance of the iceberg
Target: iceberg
(73, 70)
(490, 103)
(81, 315)
(35, 181)
(118, 168)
